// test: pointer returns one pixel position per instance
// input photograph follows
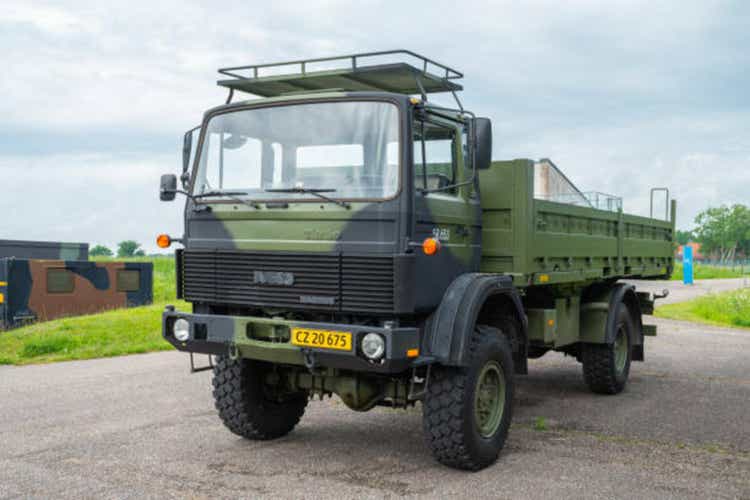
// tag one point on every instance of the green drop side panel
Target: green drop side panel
(545, 242)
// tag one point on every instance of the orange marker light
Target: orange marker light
(412, 353)
(431, 246)
(163, 241)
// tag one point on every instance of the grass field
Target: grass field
(114, 333)
(725, 309)
(707, 272)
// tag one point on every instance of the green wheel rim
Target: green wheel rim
(621, 349)
(489, 399)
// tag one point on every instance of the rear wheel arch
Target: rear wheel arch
(598, 329)
(606, 367)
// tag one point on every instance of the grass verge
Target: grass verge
(112, 333)
(724, 309)
(708, 272)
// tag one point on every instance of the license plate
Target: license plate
(323, 339)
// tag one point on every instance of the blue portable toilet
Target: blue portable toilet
(687, 264)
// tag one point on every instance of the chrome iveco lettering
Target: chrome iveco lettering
(277, 278)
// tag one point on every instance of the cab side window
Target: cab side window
(434, 156)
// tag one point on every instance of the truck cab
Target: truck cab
(341, 176)
(338, 206)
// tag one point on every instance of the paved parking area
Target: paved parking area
(140, 427)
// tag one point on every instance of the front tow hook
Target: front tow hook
(309, 357)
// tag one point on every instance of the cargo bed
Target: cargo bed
(544, 242)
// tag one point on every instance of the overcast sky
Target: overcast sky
(622, 95)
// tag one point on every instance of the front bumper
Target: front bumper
(267, 339)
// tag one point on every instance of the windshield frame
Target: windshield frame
(402, 109)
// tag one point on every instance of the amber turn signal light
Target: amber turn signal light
(163, 241)
(431, 246)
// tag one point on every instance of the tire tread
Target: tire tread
(240, 408)
(443, 418)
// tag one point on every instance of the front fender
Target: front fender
(449, 329)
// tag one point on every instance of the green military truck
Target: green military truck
(344, 235)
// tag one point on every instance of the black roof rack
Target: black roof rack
(399, 77)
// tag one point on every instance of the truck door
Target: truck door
(444, 208)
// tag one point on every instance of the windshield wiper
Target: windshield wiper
(314, 192)
(232, 195)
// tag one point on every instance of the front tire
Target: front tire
(606, 367)
(467, 411)
(248, 406)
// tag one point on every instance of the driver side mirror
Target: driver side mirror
(483, 138)
(168, 187)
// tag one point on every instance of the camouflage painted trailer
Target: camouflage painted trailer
(39, 290)
(43, 250)
(344, 234)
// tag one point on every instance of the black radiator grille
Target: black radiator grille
(366, 284)
(323, 282)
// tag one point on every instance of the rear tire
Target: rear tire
(248, 406)
(606, 367)
(467, 411)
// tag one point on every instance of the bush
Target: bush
(129, 248)
(100, 251)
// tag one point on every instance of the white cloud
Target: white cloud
(95, 198)
(623, 95)
(48, 19)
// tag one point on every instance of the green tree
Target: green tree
(128, 248)
(100, 251)
(684, 237)
(724, 230)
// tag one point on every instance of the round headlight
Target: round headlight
(181, 330)
(373, 346)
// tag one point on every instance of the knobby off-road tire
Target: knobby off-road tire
(462, 429)
(606, 367)
(250, 408)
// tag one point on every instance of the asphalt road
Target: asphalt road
(140, 426)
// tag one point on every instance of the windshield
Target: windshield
(349, 149)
